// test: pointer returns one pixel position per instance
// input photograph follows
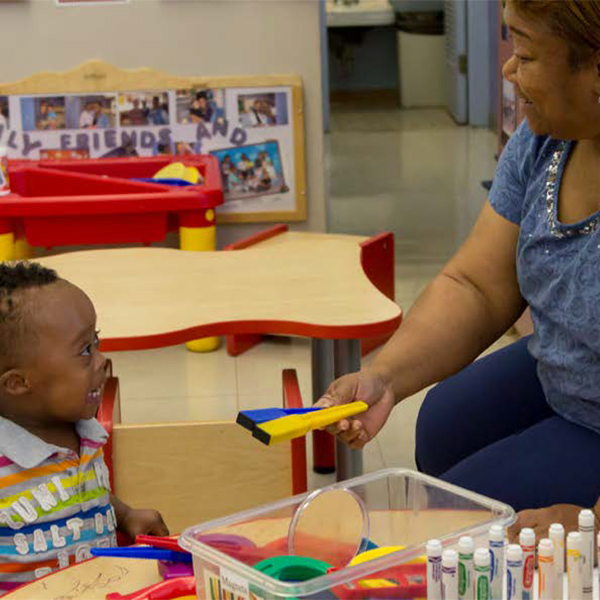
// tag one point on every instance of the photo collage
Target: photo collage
(257, 161)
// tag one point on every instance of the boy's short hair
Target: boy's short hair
(15, 278)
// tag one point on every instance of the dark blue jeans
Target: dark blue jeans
(489, 429)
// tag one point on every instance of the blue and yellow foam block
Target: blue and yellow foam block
(273, 425)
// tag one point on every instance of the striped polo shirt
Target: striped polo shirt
(54, 504)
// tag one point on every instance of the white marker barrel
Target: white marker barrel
(598, 546)
(514, 572)
(557, 535)
(546, 571)
(434, 570)
(466, 549)
(449, 575)
(527, 543)
(482, 574)
(574, 572)
(586, 528)
(496, 541)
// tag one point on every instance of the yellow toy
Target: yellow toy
(178, 170)
(293, 426)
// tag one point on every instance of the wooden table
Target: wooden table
(304, 284)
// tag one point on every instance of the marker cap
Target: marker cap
(434, 548)
(496, 533)
(466, 545)
(482, 557)
(546, 548)
(527, 537)
(586, 518)
(449, 558)
(574, 541)
(514, 552)
(556, 530)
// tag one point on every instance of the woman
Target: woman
(523, 424)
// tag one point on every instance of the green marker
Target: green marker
(465, 568)
(482, 574)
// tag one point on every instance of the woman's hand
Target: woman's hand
(370, 387)
(540, 519)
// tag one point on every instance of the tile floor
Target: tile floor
(420, 176)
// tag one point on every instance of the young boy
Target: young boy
(55, 501)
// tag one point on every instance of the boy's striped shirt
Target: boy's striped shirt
(54, 504)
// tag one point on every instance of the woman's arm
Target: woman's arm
(470, 304)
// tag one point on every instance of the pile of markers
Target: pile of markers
(507, 571)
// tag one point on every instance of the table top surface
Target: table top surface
(303, 284)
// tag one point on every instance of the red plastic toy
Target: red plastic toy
(98, 201)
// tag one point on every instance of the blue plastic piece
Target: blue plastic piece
(177, 182)
(249, 419)
(144, 552)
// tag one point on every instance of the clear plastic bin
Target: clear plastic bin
(404, 508)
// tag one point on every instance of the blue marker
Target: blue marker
(496, 541)
(514, 572)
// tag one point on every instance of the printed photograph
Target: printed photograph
(43, 113)
(59, 154)
(4, 121)
(178, 148)
(200, 106)
(143, 108)
(262, 110)
(252, 170)
(91, 112)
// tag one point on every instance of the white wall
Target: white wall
(183, 37)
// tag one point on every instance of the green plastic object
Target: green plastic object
(292, 568)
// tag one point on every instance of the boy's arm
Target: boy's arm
(137, 521)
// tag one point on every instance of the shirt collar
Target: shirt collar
(27, 450)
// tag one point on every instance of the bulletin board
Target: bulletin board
(254, 125)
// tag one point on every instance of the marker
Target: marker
(574, 573)
(598, 546)
(496, 542)
(546, 571)
(465, 568)
(449, 575)
(434, 570)
(557, 535)
(482, 574)
(586, 528)
(527, 542)
(514, 572)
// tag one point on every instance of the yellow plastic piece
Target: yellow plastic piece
(293, 426)
(377, 553)
(23, 250)
(198, 239)
(207, 344)
(383, 551)
(178, 170)
(376, 583)
(7, 246)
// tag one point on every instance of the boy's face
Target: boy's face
(63, 369)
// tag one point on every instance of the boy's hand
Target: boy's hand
(142, 521)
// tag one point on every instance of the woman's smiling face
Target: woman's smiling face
(559, 100)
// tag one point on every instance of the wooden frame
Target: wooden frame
(96, 77)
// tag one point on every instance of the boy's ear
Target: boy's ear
(14, 382)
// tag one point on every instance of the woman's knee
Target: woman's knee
(430, 456)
